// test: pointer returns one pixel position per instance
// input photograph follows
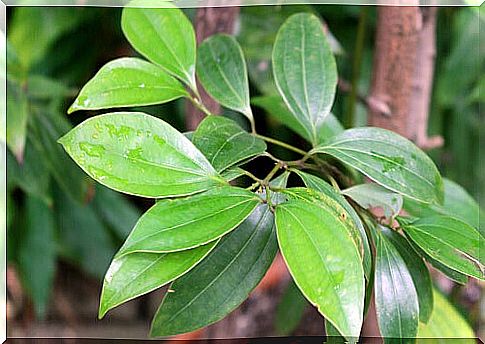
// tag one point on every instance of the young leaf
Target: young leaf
(359, 236)
(164, 36)
(223, 280)
(175, 225)
(418, 270)
(322, 257)
(276, 107)
(450, 241)
(390, 160)
(127, 82)
(445, 323)
(136, 274)
(224, 143)
(375, 196)
(395, 295)
(139, 154)
(37, 253)
(222, 71)
(290, 310)
(305, 71)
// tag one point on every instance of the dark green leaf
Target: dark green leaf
(136, 274)
(450, 241)
(225, 143)
(128, 82)
(418, 270)
(305, 71)
(139, 154)
(223, 280)
(395, 295)
(165, 36)
(388, 159)
(290, 310)
(175, 225)
(322, 257)
(37, 253)
(17, 117)
(375, 196)
(222, 71)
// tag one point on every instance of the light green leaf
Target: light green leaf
(224, 143)
(17, 118)
(395, 295)
(375, 196)
(222, 71)
(276, 107)
(390, 160)
(359, 234)
(305, 71)
(289, 311)
(175, 225)
(445, 323)
(45, 88)
(139, 154)
(450, 241)
(37, 253)
(223, 280)
(136, 274)
(128, 82)
(164, 36)
(418, 270)
(322, 257)
(232, 173)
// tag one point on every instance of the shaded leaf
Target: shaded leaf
(390, 160)
(139, 154)
(223, 280)
(322, 257)
(232, 173)
(126, 82)
(375, 196)
(224, 143)
(17, 117)
(175, 225)
(289, 311)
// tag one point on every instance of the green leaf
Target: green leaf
(359, 234)
(445, 323)
(390, 160)
(17, 118)
(289, 311)
(37, 253)
(276, 107)
(224, 143)
(175, 225)
(322, 257)
(305, 71)
(418, 270)
(395, 295)
(136, 274)
(139, 154)
(450, 241)
(375, 196)
(222, 71)
(232, 173)
(44, 88)
(164, 36)
(223, 280)
(128, 82)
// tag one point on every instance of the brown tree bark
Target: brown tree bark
(209, 21)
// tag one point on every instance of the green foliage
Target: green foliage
(214, 239)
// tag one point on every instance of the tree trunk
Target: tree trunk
(209, 21)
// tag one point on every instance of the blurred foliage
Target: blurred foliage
(55, 212)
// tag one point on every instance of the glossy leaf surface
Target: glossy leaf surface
(224, 143)
(395, 295)
(305, 71)
(164, 36)
(375, 196)
(222, 71)
(223, 280)
(322, 257)
(139, 154)
(136, 274)
(128, 82)
(390, 160)
(174, 225)
(450, 241)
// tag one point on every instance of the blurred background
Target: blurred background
(63, 229)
